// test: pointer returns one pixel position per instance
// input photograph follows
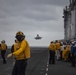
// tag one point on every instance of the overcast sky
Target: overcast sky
(32, 17)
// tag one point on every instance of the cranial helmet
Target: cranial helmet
(19, 33)
(20, 36)
(3, 41)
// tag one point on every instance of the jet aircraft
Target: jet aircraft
(37, 37)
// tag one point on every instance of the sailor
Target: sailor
(3, 50)
(22, 54)
(52, 49)
(73, 52)
(58, 48)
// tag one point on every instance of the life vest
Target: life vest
(21, 50)
(3, 46)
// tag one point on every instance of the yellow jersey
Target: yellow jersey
(21, 50)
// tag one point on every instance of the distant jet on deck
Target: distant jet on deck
(37, 37)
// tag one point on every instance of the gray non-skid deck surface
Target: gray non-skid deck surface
(38, 65)
(61, 68)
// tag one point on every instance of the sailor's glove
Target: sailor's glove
(9, 55)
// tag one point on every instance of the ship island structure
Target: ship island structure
(69, 16)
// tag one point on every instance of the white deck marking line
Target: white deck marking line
(45, 73)
(46, 69)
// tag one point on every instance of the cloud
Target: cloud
(33, 17)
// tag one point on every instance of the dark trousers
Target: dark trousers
(52, 57)
(73, 59)
(3, 55)
(19, 67)
(60, 55)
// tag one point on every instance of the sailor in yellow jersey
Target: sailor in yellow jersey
(58, 47)
(52, 49)
(3, 50)
(21, 54)
(13, 48)
(66, 52)
(0, 46)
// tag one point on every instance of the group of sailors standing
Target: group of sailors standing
(65, 51)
